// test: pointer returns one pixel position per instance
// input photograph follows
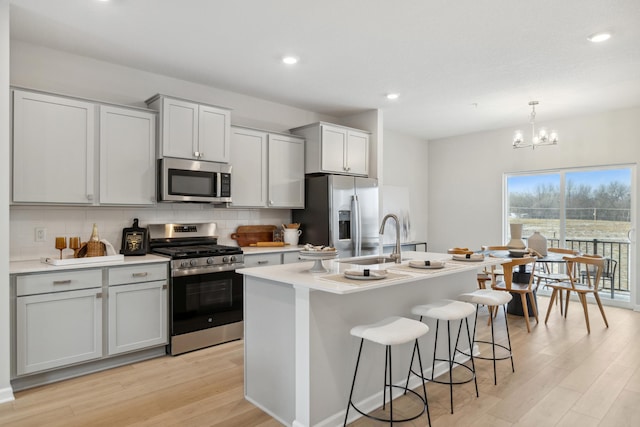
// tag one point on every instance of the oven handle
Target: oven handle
(205, 270)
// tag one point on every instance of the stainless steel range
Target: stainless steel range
(206, 292)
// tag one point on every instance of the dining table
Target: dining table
(514, 307)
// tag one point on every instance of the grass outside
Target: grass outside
(611, 236)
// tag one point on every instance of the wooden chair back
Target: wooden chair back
(517, 262)
(594, 264)
(563, 251)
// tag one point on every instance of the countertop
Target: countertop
(298, 275)
(36, 266)
(254, 250)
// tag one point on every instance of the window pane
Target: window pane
(534, 201)
(598, 204)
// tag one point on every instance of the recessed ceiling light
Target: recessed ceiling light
(290, 60)
(393, 95)
(599, 37)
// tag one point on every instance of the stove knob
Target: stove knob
(209, 261)
(232, 259)
(225, 259)
(184, 264)
(193, 262)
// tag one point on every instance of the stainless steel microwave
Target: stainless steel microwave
(183, 180)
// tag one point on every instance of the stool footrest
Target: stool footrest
(394, 420)
(433, 380)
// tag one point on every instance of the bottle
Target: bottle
(94, 234)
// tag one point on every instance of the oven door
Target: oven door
(205, 301)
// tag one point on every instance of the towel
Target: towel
(468, 257)
(366, 272)
(423, 264)
(109, 249)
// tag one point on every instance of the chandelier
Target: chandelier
(541, 138)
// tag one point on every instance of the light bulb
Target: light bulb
(518, 137)
(553, 137)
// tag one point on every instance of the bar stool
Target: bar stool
(447, 310)
(390, 331)
(492, 299)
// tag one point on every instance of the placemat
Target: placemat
(448, 266)
(340, 278)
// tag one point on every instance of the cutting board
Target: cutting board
(252, 234)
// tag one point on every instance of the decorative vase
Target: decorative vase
(516, 241)
(538, 243)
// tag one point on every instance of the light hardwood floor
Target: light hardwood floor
(564, 377)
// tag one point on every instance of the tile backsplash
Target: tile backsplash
(78, 221)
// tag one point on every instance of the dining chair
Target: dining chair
(545, 272)
(592, 285)
(522, 287)
(608, 273)
(495, 270)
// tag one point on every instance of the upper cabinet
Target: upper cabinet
(268, 169)
(335, 149)
(127, 156)
(59, 146)
(189, 130)
(53, 149)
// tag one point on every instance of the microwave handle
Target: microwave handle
(218, 184)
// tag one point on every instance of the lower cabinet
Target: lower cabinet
(57, 329)
(137, 316)
(63, 318)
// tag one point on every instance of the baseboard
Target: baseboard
(6, 395)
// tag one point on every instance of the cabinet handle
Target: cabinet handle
(196, 154)
(143, 274)
(263, 262)
(62, 282)
(164, 286)
(270, 202)
(90, 197)
(99, 295)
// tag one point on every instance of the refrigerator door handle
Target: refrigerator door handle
(356, 226)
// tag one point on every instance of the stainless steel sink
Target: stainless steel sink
(368, 261)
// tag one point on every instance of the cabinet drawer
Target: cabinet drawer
(262, 260)
(137, 273)
(56, 282)
(289, 257)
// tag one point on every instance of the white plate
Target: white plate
(380, 274)
(426, 267)
(376, 277)
(462, 258)
(319, 254)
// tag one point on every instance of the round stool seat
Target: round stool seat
(391, 331)
(445, 310)
(486, 297)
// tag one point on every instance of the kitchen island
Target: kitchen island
(299, 353)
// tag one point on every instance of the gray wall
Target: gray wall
(466, 173)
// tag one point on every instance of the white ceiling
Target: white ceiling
(442, 56)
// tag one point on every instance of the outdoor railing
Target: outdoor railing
(616, 250)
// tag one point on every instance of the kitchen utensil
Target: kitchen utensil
(248, 234)
(267, 244)
(134, 240)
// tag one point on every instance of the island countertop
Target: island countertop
(298, 274)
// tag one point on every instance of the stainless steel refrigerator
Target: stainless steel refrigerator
(340, 211)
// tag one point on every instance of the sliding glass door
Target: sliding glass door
(589, 210)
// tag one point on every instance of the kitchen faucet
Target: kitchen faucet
(395, 255)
